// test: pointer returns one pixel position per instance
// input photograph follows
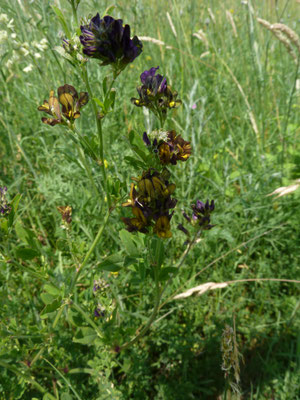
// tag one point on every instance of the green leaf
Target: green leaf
(47, 298)
(50, 308)
(129, 261)
(112, 263)
(110, 100)
(158, 251)
(23, 234)
(62, 21)
(104, 85)
(142, 270)
(99, 102)
(66, 396)
(14, 205)
(54, 291)
(128, 243)
(26, 253)
(86, 335)
(137, 145)
(108, 10)
(136, 164)
(165, 273)
(4, 225)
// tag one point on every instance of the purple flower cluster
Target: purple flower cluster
(109, 41)
(154, 93)
(200, 216)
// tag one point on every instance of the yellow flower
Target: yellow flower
(162, 227)
(70, 102)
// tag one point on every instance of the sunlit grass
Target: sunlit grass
(240, 110)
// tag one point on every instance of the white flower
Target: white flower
(13, 35)
(37, 55)
(44, 44)
(9, 63)
(24, 51)
(10, 25)
(159, 135)
(80, 57)
(3, 18)
(28, 68)
(3, 36)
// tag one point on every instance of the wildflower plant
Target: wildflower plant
(112, 208)
(148, 212)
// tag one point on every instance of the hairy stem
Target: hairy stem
(99, 130)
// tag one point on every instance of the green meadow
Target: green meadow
(84, 314)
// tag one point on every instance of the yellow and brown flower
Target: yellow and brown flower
(162, 227)
(70, 103)
(139, 223)
(151, 201)
(175, 149)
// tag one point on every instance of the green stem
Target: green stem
(74, 11)
(283, 146)
(181, 261)
(99, 130)
(88, 254)
(68, 383)
(152, 316)
(58, 315)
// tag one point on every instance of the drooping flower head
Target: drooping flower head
(5, 208)
(169, 146)
(109, 41)
(70, 103)
(155, 94)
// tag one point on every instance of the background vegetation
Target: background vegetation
(241, 113)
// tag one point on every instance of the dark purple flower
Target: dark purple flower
(146, 139)
(201, 213)
(109, 41)
(186, 216)
(203, 208)
(200, 216)
(155, 83)
(117, 349)
(155, 94)
(99, 312)
(182, 228)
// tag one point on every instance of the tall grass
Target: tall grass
(240, 111)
